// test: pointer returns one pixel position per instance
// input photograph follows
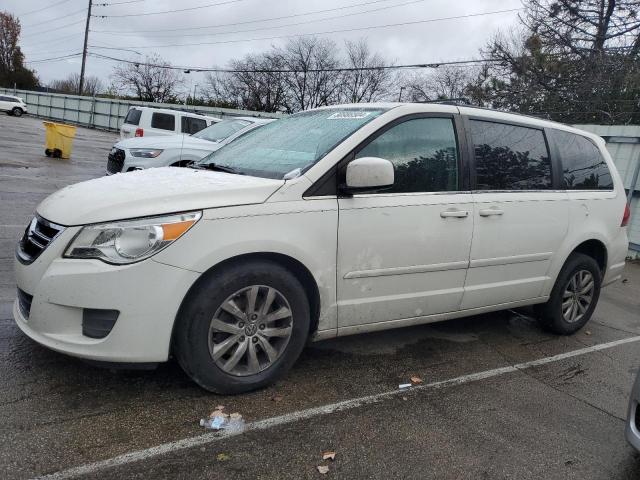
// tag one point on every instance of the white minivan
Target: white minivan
(330, 222)
(152, 122)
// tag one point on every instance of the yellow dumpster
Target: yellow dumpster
(58, 139)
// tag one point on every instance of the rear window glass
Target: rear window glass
(133, 117)
(193, 125)
(583, 167)
(163, 121)
(509, 157)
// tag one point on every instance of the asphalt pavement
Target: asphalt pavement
(559, 413)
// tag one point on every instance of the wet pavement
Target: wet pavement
(563, 419)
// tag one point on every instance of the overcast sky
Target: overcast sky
(43, 38)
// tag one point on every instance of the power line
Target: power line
(55, 58)
(170, 11)
(57, 18)
(116, 3)
(52, 41)
(42, 8)
(293, 24)
(337, 69)
(401, 24)
(284, 17)
(47, 32)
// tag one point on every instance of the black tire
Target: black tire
(550, 314)
(48, 152)
(57, 153)
(16, 112)
(191, 334)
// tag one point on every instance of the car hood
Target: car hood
(154, 191)
(165, 142)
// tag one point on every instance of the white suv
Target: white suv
(330, 222)
(177, 150)
(12, 105)
(153, 122)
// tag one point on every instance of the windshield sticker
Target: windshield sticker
(348, 115)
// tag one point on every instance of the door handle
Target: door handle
(488, 212)
(454, 213)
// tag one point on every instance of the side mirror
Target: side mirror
(368, 174)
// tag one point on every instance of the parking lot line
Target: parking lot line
(267, 423)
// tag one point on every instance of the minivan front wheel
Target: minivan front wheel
(243, 327)
(574, 296)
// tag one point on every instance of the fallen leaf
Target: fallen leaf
(277, 398)
(236, 416)
(415, 380)
(323, 469)
(587, 332)
(222, 457)
(329, 455)
(404, 398)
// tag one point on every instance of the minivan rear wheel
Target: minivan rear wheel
(574, 296)
(242, 327)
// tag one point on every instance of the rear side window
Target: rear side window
(163, 121)
(133, 117)
(510, 157)
(583, 167)
(193, 125)
(424, 153)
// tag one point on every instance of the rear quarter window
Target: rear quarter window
(193, 125)
(163, 121)
(133, 117)
(583, 166)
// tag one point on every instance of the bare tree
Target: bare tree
(313, 79)
(363, 79)
(445, 82)
(152, 80)
(92, 85)
(12, 69)
(256, 83)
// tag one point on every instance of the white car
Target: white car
(12, 105)
(153, 122)
(177, 150)
(330, 222)
(632, 427)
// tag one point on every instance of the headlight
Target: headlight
(145, 152)
(132, 240)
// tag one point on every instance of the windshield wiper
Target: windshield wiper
(217, 168)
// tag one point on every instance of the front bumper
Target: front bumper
(147, 295)
(632, 428)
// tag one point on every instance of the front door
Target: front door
(403, 253)
(520, 220)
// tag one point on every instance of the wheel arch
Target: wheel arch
(595, 249)
(297, 268)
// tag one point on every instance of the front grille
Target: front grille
(38, 235)
(24, 303)
(115, 160)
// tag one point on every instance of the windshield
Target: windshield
(221, 130)
(294, 142)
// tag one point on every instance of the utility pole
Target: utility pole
(84, 50)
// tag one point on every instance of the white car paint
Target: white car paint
(144, 127)
(9, 103)
(176, 148)
(379, 260)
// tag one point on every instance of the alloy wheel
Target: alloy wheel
(250, 330)
(577, 296)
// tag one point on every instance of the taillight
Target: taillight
(626, 216)
(139, 132)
